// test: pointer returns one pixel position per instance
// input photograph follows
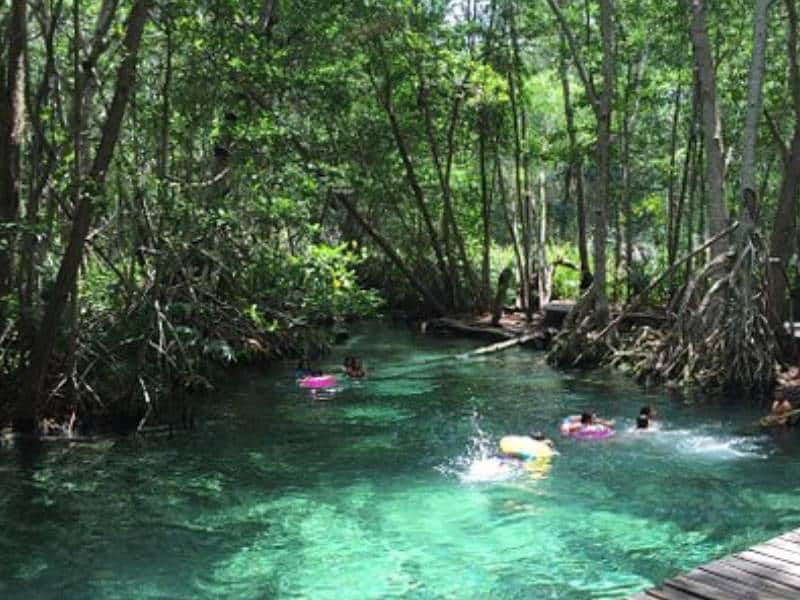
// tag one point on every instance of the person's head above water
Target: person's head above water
(537, 435)
(648, 411)
(642, 421)
(587, 418)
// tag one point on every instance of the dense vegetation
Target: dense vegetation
(190, 184)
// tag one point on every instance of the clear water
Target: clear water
(390, 489)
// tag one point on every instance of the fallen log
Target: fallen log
(499, 346)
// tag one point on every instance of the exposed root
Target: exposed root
(719, 339)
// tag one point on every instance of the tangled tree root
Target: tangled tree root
(723, 345)
(719, 339)
(577, 344)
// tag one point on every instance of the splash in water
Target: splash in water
(480, 462)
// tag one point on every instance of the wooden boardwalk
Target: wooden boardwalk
(766, 571)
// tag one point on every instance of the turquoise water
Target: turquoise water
(389, 489)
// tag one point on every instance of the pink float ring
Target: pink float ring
(322, 381)
(572, 428)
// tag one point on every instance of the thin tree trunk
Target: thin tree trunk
(26, 406)
(504, 201)
(486, 210)
(527, 204)
(602, 106)
(445, 221)
(42, 164)
(628, 127)
(603, 161)
(386, 246)
(748, 200)
(672, 209)
(783, 238)
(12, 129)
(712, 127)
(686, 173)
(754, 100)
(545, 270)
(525, 274)
(575, 169)
(385, 97)
(696, 177)
(583, 245)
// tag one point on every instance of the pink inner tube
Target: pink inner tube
(323, 381)
(586, 432)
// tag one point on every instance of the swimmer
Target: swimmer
(646, 417)
(303, 369)
(582, 424)
(779, 411)
(535, 445)
(354, 368)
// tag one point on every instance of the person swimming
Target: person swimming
(779, 411)
(303, 369)
(535, 445)
(587, 425)
(354, 368)
(647, 415)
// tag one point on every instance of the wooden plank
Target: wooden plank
(770, 562)
(778, 553)
(732, 588)
(699, 589)
(788, 579)
(758, 584)
(792, 536)
(665, 593)
(785, 544)
(767, 571)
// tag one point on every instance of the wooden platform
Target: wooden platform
(766, 571)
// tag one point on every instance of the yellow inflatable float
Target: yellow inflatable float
(525, 447)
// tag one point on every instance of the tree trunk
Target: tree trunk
(754, 97)
(672, 209)
(509, 223)
(686, 173)
(12, 128)
(575, 169)
(486, 209)
(783, 239)
(603, 114)
(712, 127)
(41, 164)
(630, 115)
(26, 406)
(545, 270)
(385, 97)
(782, 244)
(520, 205)
(391, 254)
(747, 191)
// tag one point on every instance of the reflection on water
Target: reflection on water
(392, 487)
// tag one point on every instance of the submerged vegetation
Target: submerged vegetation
(191, 184)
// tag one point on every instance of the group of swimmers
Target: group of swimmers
(509, 445)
